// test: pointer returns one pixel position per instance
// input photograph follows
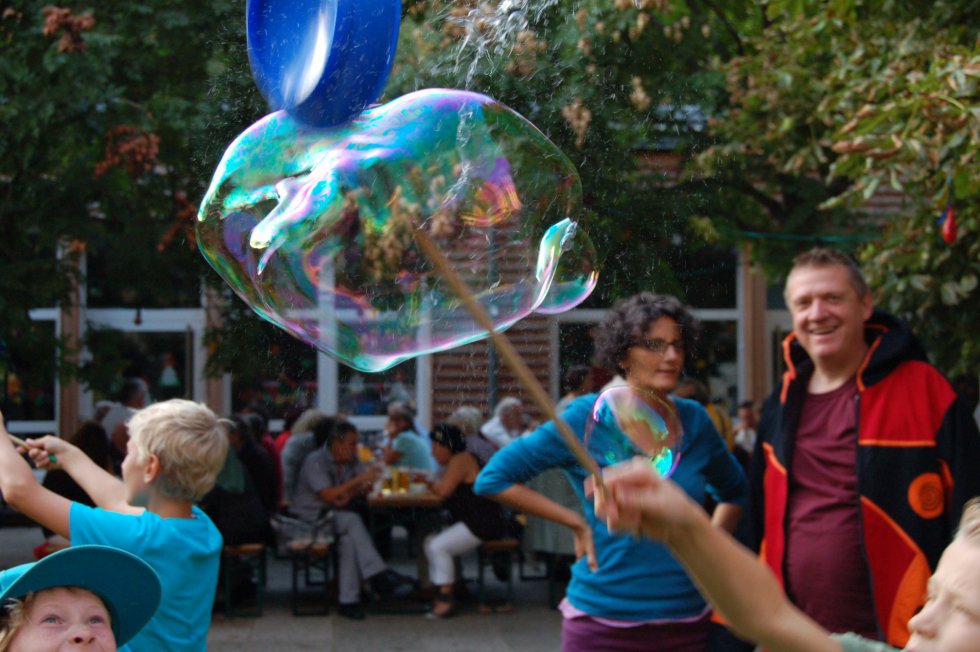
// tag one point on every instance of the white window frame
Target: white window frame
(20, 427)
(155, 320)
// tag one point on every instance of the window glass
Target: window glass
(366, 394)
(279, 379)
(163, 360)
(576, 346)
(28, 385)
(715, 362)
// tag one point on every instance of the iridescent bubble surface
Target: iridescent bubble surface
(313, 228)
(626, 423)
(575, 277)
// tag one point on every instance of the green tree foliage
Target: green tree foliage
(834, 102)
(606, 81)
(113, 117)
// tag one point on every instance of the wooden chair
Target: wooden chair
(486, 554)
(251, 558)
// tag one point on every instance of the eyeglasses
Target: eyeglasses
(659, 346)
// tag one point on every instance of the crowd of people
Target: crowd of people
(848, 489)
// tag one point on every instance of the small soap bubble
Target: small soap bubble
(627, 422)
(315, 227)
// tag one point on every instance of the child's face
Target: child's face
(950, 620)
(65, 619)
(133, 474)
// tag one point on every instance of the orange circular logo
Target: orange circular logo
(926, 495)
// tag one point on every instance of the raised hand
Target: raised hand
(637, 499)
(45, 451)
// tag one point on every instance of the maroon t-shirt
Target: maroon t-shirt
(826, 572)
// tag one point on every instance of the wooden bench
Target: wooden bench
(250, 557)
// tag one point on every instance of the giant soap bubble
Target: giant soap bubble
(628, 422)
(313, 228)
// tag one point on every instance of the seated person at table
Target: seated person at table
(746, 592)
(405, 448)
(475, 519)
(175, 450)
(469, 419)
(301, 443)
(86, 597)
(507, 423)
(333, 480)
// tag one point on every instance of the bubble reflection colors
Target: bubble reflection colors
(626, 423)
(575, 276)
(313, 228)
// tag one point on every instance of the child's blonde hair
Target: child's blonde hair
(12, 617)
(188, 439)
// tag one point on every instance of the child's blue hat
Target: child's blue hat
(127, 585)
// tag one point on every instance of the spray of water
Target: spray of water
(490, 29)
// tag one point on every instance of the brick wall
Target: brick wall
(460, 376)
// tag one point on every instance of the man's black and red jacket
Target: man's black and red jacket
(918, 462)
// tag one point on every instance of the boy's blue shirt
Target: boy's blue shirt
(185, 553)
(637, 579)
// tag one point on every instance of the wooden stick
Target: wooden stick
(510, 355)
(17, 441)
(20, 442)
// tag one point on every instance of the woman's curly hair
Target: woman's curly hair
(628, 320)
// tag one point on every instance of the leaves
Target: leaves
(141, 97)
(857, 98)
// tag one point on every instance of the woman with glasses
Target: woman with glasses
(627, 593)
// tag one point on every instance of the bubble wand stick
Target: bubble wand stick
(17, 441)
(510, 355)
(23, 444)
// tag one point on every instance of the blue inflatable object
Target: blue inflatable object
(324, 61)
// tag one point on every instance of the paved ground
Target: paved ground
(531, 627)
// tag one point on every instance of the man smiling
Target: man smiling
(865, 455)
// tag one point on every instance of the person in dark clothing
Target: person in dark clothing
(258, 421)
(234, 505)
(865, 455)
(256, 460)
(475, 519)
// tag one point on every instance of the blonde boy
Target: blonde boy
(747, 593)
(174, 453)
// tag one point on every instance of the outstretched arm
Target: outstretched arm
(740, 587)
(106, 490)
(22, 492)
